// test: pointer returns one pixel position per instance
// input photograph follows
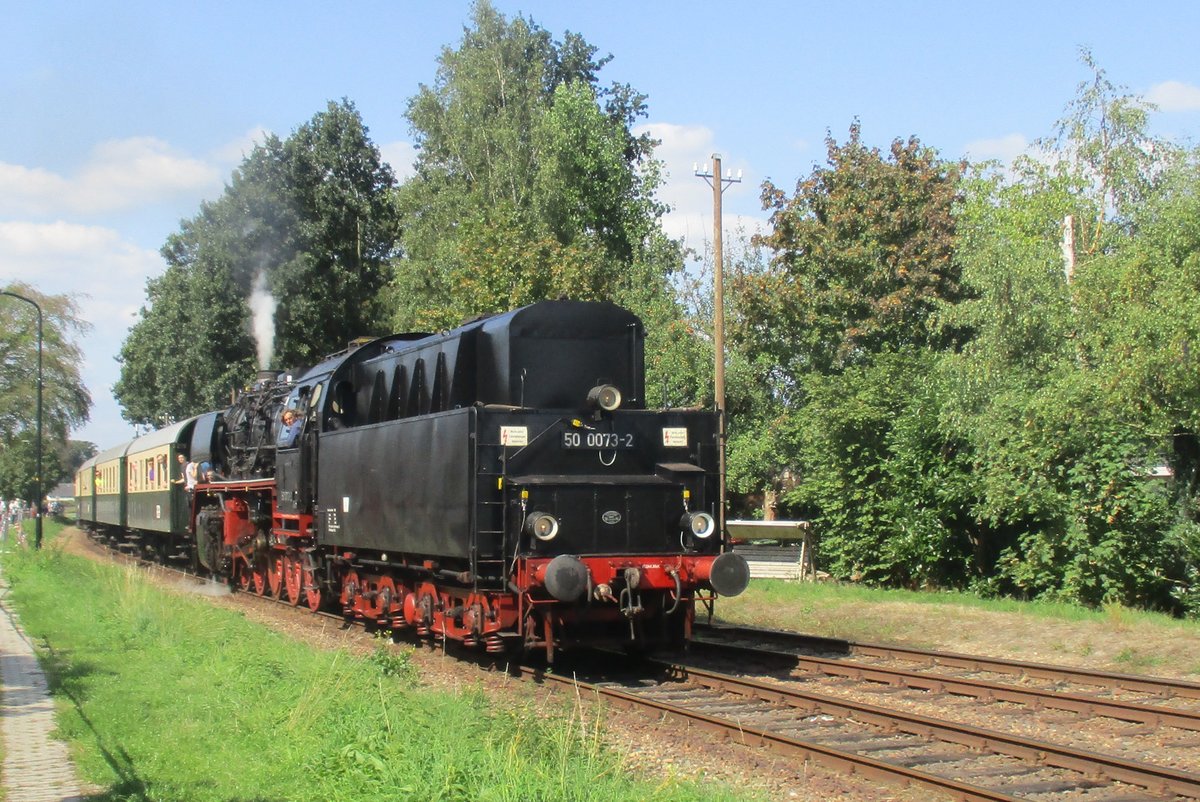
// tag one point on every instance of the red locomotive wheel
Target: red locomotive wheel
(312, 590)
(386, 599)
(260, 576)
(243, 578)
(275, 575)
(293, 579)
(351, 589)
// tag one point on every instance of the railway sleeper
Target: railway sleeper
(1054, 786)
(930, 759)
(888, 745)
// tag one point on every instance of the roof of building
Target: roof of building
(62, 491)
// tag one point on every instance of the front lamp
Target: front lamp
(699, 524)
(605, 397)
(541, 525)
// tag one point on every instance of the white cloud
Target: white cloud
(107, 273)
(69, 257)
(690, 197)
(1003, 149)
(119, 175)
(231, 155)
(400, 155)
(49, 238)
(1172, 96)
(26, 189)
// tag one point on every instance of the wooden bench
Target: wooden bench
(774, 549)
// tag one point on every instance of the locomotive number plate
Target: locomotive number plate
(597, 440)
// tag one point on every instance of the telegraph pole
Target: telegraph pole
(719, 184)
(37, 480)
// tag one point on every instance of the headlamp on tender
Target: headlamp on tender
(541, 525)
(699, 524)
(605, 397)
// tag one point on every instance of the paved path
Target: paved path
(36, 767)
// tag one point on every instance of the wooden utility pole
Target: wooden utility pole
(1068, 247)
(718, 185)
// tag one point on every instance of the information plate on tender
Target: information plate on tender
(597, 440)
(514, 436)
(675, 437)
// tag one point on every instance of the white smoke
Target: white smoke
(262, 308)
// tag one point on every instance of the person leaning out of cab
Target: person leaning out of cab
(289, 428)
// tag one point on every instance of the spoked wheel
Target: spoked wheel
(382, 606)
(312, 590)
(275, 575)
(351, 589)
(243, 575)
(260, 576)
(293, 579)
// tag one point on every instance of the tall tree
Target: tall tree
(1073, 389)
(858, 265)
(862, 258)
(530, 183)
(65, 399)
(192, 344)
(1103, 142)
(329, 262)
(311, 220)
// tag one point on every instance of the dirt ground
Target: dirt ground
(660, 751)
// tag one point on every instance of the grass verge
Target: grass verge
(1114, 638)
(165, 697)
(830, 594)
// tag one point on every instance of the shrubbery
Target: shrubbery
(946, 403)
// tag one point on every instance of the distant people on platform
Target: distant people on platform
(290, 428)
(13, 511)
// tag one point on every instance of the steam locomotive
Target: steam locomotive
(502, 484)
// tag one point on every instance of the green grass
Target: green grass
(1039, 631)
(165, 697)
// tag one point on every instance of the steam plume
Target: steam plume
(262, 309)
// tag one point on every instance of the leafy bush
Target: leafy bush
(885, 489)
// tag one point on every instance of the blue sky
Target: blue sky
(120, 118)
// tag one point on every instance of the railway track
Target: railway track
(1151, 701)
(965, 762)
(884, 744)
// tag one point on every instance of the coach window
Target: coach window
(316, 395)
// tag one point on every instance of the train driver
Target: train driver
(290, 429)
